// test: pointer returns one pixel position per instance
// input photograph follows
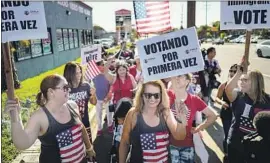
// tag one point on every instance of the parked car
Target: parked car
(263, 49)
(254, 40)
(107, 42)
(218, 42)
(97, 41)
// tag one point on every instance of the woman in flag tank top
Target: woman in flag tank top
(56, 124)
(81, 92)
(147, 126)
(247, 101)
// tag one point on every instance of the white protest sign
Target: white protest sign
(23, 20)
(244, 15)
(170, 55)
(91, 53)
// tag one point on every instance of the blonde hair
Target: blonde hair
(164, 102)
(257, 90)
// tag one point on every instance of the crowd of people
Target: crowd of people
(160, 125)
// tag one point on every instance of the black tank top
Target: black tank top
(62, 136)
(226, 113)
(149, 144)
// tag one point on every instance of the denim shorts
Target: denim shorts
(182, 154)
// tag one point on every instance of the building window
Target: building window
(71, 38)
(65, 37)
(47, 44)
(83, 38)
(23, 49)
(75, 34)
(60, 41)
(26, 49)
(36, 48)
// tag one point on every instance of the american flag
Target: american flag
(92, 70)
(71, 145)
(246, 125)
(152, 17)
(154, 146)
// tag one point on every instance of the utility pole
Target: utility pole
(191, 13)
(206, 12)
(182, 17)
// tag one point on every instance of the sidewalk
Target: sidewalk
(31, 155)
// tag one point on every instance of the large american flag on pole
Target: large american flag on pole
(152, 17)
(155, 147)
(71, 145)
(92, 70)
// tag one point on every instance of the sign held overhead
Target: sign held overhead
(170, 55)
(22, 20)
(90, 53)
(245, 15)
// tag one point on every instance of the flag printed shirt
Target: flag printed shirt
(244, 112)
(62, 142)
(81, 96)
(71, 146)
(149, 144)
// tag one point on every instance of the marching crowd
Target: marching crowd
(163, 120)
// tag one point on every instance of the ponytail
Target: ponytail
(40, 100)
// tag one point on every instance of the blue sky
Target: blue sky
(103, 13)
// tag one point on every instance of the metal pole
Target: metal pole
(206, 12)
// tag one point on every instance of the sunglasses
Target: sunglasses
(234, 71)
(149, 95)
(65, 88)
(243, 80)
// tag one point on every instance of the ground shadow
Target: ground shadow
(216, 133)
(102, 146)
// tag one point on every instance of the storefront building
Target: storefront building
(69, 27)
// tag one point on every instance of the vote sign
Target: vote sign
(170, 55)
(245, 15)
(23, 20)
(90, 53)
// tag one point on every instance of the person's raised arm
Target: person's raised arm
(110, 77)
(125, 139)
(22, 137)
(134, 83)
(232, 84)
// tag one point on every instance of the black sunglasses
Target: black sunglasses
(65, 88)
(232, 71)
(149, 95)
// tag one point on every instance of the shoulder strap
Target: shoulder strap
(73, 112)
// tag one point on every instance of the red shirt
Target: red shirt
(194, 104)
(133, 70)
(121, 89)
